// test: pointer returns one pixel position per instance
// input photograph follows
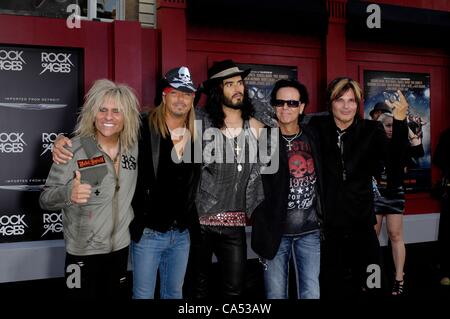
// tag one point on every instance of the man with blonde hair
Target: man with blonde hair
(163, 203)
(164, 207)
(94, 190)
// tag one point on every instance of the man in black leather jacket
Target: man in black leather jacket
(288, 221)
(352, 151)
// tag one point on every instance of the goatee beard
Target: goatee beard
(229, 103)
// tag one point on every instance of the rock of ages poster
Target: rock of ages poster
(380, 86)
(39, 98)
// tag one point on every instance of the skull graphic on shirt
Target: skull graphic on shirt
(298, 166)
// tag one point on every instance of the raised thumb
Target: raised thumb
(77, 177)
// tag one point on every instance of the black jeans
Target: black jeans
(101, 276)
(230, 247)
(345, 258)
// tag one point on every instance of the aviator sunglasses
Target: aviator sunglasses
(290, 103)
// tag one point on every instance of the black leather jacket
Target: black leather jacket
(268, 218)
(347, 171)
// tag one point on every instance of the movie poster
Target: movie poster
(261, 79)
(380, 86)
(40, 96)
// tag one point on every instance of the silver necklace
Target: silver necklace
(289, 140)
(235, 146)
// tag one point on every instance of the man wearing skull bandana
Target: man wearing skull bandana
(163, 203)
(287, 221)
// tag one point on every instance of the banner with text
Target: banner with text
(40, 96)
(380, 86)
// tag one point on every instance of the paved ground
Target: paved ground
(422, 279)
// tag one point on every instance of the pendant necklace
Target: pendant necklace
(289, 140)
(236, 147)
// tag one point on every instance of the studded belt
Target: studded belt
(224, 219)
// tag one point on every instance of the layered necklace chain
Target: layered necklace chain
(235, 146)
(289, 140)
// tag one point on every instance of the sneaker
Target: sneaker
(445, 281)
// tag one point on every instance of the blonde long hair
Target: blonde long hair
(126, 102)
(158, 121)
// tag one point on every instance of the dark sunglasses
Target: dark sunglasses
(290, 103)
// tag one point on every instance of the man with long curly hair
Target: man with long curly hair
(230, 185)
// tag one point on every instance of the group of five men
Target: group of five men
(317, 206)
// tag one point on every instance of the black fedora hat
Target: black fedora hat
(221, 70)
(380, 106)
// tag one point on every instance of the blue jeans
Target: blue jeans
(306, 250)
(168, 252)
